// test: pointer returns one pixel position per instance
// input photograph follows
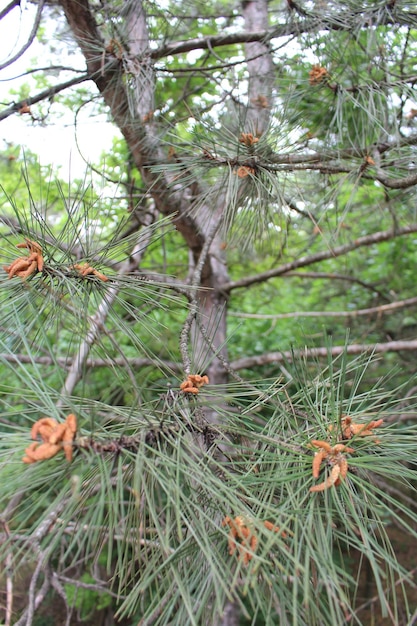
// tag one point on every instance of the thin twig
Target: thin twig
(27, 617)
(35, 599)
(388, 589)
(8, 8)
(91, 586)
(400, 495)
(30, 39)
(56, 584)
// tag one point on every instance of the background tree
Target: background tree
(220, 471)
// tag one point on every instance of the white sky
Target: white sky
(55, 144)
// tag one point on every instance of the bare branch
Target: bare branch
(43, 95)
(207, 43)
(382, 309)
(31, 37)
(366, 240)
(35, 599)
(83, 585)
(323, 352)
(42, 567)
(136, 363)
(307, 156)
(238, 364)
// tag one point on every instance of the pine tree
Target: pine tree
(179, 467)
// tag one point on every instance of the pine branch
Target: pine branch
(307, 156)
(46, 94)
(343, 22)
(380, 175)
(323, 352)
(386, 180)
(382, 309)
(68, 362)
(209, 43)
(238, 364)
(360, 242)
